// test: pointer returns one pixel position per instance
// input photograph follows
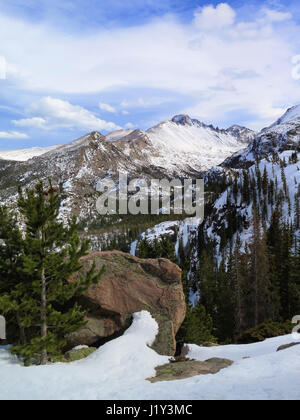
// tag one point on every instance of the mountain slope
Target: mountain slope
(284, 134)
(292, 117)
(283, 192)
(22, 155)
(191, 142)
(171, 149)
(244, 134)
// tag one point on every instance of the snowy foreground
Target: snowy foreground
(118, 371)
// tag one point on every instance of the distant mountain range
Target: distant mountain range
(190, 138)
(180, 147)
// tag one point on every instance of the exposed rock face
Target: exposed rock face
(182, 370)
(242, 133)
(130, 285)
(287, 346)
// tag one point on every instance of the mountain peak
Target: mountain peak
(291, 114)
(182, 119)
(96, 135)
(242, 133)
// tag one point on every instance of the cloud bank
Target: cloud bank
(12, 135)
(51, 113)
(223, 63)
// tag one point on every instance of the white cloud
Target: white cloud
(107, 108)
(10, 135)
(276, 16)
(145, 103)
(35, 122)
(3, 68)
(50, 113)
(129, 126)
(210, 17)
(219, 62)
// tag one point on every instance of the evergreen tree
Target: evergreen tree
(295, 280)
(11, 260)
(246, 188)
(265, 182)
(42, 295)
(236, 272)
(208, 284)
(258, 275)
(226, 304)
(196, 328)
(279, 240)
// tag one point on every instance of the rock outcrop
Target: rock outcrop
(287, 346)
(188, 369)
(130, 285)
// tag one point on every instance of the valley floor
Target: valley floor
(119, 369)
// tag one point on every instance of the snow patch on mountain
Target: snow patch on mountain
(245, 135)
(117, 135)
(284, 134)
(292, 175)
(292, 114)
(199, 145)
(22, 155)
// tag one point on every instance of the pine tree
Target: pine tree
(246, 188)
(295, 280)
(196, 328)
(235, 271)
(43, 295)
(226, 303)
(11, 258)
(258, 273)
(297, 209)
(279, 240)
(208, 284)
(265, 182)
(258, 178)
(283, 179)
(168, 249)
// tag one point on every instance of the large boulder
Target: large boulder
(130, 285)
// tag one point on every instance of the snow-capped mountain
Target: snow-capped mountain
(230, 215)
(244, 134)
(292, 116)
(178, 148)
(284, 134)
(118, 134)
(22, 155)
(192, 143)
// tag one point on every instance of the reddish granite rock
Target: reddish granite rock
(130, 285)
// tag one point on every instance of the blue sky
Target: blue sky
(70, 67)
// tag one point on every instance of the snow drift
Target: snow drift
(119, 369)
